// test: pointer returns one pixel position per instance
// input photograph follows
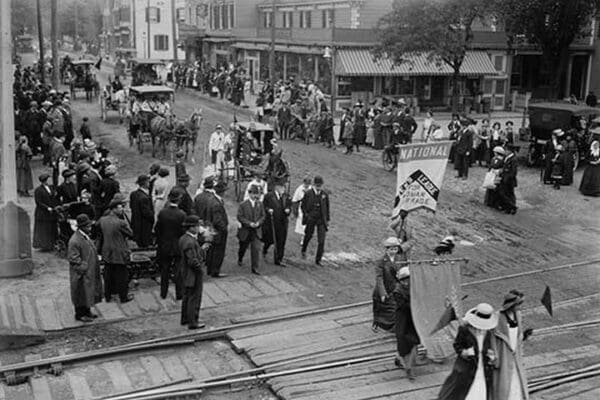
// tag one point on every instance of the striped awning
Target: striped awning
(359, 62)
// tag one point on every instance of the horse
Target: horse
(161, 132)
(191, 127)
(118, 101)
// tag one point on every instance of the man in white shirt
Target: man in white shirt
(216, 147)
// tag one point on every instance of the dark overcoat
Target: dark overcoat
(458, 383)
(45, 230)
(114, 233)
(84, 271)
(248, 214)
(279, 218)
(168, 230)
(315, 208)
(384, 312)
(142, 217)
(192, 260)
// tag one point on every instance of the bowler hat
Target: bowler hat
(142, 179)
(191, 220)
(318, 180)
(83, 220)
(183, 178)
(220, 187)
(67, 173)
(43, 177)
(253, 189)
(174, 196)
(209, 182)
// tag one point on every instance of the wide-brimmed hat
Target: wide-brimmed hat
(482, 317)
(499, 150)
(512, 298)
(67, 173)
(403, 273)
(46, 103)
(391, 241)
(220, 186)
(191, 220)
(118, 199)
(83, 220)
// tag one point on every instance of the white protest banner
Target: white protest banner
(421, 170)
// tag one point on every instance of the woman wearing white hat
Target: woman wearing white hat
(473, 366)
(384, 305)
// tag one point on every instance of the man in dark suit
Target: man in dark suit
(108, 187)
(45, 230)
(284, 118)
(463, 148)
(67, 191)
(168, 230)
(251, 215)
(210, 207)
(186, 203)
(315, 210)
(142, 212)
(277, 207)
(192, 257)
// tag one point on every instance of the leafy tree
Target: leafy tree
(23, 17)
(439, 29)
(552, 25)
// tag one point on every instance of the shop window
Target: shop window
(499, 62)
(344, 87)
(395, 85)
(180, 12)
(292, 65)
(161, 42)
(224, 16)
(327, 17)
(307, 66)
(278, 72)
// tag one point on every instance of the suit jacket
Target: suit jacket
(84, 271)
(248, 214)
(107, 188)
(200, 207)
(315, 208)
(43, 201)
(464, 143)
(216, 215)
(168, 230)
(278, 206)
(192, 260)
(186, 203)
(114, 232)
(67, 192)
(142, 217)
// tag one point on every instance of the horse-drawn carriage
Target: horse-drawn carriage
(151, 120)
(125, 58)
(116, 101)
(147, 72)
(81, 77)
(253, 145)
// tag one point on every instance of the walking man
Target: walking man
(277, 206)
(84, 272)
(186, 203)
(113, 247)
(142, 212)
(192, 260)
(216, 148)
(168, 230)
(251, 215)
(463, 149)
(315, 210)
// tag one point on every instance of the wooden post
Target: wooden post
(174, 22)
(15, 240)
(41, 41)
(54, 42)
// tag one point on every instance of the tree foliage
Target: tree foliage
(552, 25)
(438, 29)
(23, 17)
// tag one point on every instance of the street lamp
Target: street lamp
(329, 55)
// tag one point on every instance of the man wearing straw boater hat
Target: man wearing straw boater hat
(192, 261)
(84, 272)
(473, 366)
(114, 249)
(510, 379)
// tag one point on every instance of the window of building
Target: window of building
(231, 16)
(267, 19)
(288, 19)
(396, 85)
(224, 16)
(305, 19)
(498, 62)
(327, 17)
(153, 14)
(180, 12)
(125, 14)
(161, 42)
(215, 20)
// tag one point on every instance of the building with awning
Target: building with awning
(426, 82)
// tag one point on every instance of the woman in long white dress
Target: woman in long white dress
(475, 362)
(296, 199)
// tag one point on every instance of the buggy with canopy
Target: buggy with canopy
(145, 104)
(81, 77)
(146, 72)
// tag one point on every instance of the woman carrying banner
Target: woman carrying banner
(403, 232)
(510, 381)
(471, 375)
(407, 338)
(384, 305)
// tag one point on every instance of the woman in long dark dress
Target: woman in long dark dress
(471, 375)
(24, 176)
(407, 337)
(590, 182)
(496, 165)
(507, 200)
(384, 305)
(45, 229)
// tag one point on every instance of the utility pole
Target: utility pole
(41, 41)
(272, 49)
(148, 26)
(54, 42)
(174, 21)
(333, 51)
(15, 238)
(76, 33)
